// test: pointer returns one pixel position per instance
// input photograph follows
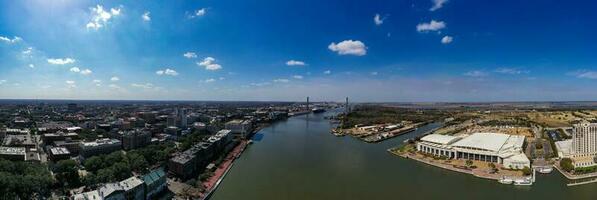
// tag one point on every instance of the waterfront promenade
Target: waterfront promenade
(475, 172)
(212, 182)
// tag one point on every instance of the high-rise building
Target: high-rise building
(183, 118)
(171, 120)
(135, 139)
(584, 144)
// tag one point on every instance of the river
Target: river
(299, 159)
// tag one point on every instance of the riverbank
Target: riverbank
(444, 166)
(479, 171)
(377, 133)
(577, 180)
(212, 183)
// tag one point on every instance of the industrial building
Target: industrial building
(488, 147)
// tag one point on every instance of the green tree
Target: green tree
(89, 180)
(67, 173)
(120, 171)
(137, 162)
(526, 171)
(94, 163)
(114, 157)
(566, 164)
(468, 163)
(22, 180)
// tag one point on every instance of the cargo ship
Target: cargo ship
(318, 110)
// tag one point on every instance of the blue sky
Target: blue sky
(401, 50)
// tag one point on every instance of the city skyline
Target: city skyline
(404, 51)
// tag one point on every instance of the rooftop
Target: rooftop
(12, 150)
(483, 141)
(131, 183)
(59, 151)
(153, 176)
(440, 139)
(100, 142)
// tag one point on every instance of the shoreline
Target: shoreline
(465, 171)
(220, 175)
(380, 136)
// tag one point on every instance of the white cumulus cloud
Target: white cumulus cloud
(115, 78)
(378, 20)
(447, 39)
(61, 61)
(349, 47)
(476, 73)
(82, 72)
(297, 77)
(295, 63)
(97, 82)
(327, 72)
(198, 13)
(190, 55)
(86, 72)
(15, 39)
(431, 26)
(167, 71)
(505, 70)
(142, 85)
(146, 16)
(586, 74)
(100, 16)
(281, 80)
(71, 84)
(210, 64)
(75, 69)
(437, 4)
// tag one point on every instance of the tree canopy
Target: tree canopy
(24, 180)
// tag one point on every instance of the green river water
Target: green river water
(299, 159)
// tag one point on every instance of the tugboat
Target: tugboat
(318, 110)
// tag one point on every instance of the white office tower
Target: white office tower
(584, 144)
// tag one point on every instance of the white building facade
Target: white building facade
(488, 147)
(584, 144)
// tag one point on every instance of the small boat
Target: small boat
(506, 181)
(545, 170)
(318, 110)
(523, 182)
